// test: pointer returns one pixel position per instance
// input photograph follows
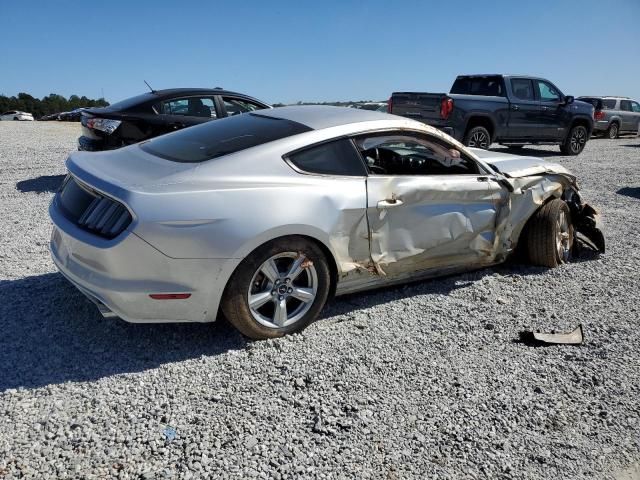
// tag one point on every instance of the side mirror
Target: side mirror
(568, 99)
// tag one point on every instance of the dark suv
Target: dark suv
(614, 115)
(158, 112)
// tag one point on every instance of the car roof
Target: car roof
(318, 117)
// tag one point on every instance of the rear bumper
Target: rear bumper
(119, 275)
(600, 126)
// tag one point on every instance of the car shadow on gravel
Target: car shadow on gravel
(44, 183)
(52, 334)
(527, 152)
(633, 192)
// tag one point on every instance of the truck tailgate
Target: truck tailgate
(424, 107)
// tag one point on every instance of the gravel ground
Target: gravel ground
(423, 381)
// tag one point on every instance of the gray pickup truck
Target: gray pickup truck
(512, 110)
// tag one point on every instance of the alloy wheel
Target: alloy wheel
(563, 237)
(613, 131)
(283, 290)
(578, 140)
(480, 140)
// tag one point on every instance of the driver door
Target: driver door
(429, 206)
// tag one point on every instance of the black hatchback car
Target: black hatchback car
(158, 112)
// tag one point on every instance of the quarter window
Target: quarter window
(235, 106)
(189, 107)
(547, 92)
(338, 157)
(522, 88)
(413, 154)
(609, 104)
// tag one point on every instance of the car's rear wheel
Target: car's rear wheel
(279, 288)
(613, 131)
(575, 141)
(478, 137)
(550, 235)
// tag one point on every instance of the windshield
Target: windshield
(221, 137)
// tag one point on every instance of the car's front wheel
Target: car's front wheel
(279, 288)
(550, 235)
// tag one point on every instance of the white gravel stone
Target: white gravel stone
(420, 381)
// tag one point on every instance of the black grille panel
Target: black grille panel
(91, 210)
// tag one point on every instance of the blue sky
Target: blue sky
(285, 51)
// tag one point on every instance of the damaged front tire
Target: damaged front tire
(550, 235)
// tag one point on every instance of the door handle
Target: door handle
(390, 203)
(544, 108)
(176, 125)
(515, 107)
(484, 178)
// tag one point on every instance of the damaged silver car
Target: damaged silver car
(266, 215)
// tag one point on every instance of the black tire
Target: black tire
(249, 277)
(613, 131)
(575, 141)
(478, 137)
(548, 242)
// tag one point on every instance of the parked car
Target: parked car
(512, 110)
(16, 115)
(266, 215)
(158, 112)
(614, 115)
(73, 115)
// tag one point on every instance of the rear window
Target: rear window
(487, 86)
(132, 102)
(214, 139)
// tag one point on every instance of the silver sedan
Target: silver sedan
(266, 215)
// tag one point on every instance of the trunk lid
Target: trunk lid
(129, 169)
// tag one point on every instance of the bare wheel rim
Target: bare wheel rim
(282, 290)
(563, 237)
(479, 139)
(578, 139)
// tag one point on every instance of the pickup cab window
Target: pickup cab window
(522, 88)
(547, 92)
(492, 86)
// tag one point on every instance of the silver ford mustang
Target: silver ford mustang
(264, 216)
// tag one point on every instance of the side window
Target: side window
(609, 104)
(409, 154)
(338, 157)
(635, 106)
(190, 107)
(522, 88)
(625, 105)
(547, 92)
(235, 106)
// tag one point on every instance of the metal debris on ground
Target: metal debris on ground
(575, 337)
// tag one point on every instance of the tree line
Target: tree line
(52, 103)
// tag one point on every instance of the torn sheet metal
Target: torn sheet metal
(575, 337)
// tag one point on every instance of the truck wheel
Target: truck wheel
(549, 235)
(575, 141)
(279, 288)
(613, 131)
(478, 137)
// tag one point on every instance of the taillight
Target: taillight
(390, 104)
(598, 115)
(446, 107)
